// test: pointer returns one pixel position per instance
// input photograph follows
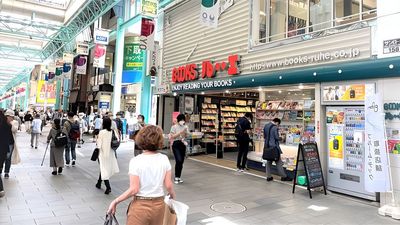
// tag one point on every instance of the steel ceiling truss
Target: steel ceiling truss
(84, 18)
(20, 53)
(27, 28)
(23, 75)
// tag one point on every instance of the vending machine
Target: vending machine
(346, 141)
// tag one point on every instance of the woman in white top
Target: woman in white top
(107, 160)
(149, 173)
(177, 135)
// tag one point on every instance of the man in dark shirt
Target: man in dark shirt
(243, 132)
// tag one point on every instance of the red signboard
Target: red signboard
(191, 72)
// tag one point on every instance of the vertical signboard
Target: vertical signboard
(376, 164)
(209, 13)
(46, 92)
(99, 56)
(133, 57)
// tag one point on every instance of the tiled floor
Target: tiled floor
(35, 197)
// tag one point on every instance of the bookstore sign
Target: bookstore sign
(191, 77)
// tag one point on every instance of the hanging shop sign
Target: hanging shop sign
(68, 57)
(375, 157)
(209, 13)
(133, 57)
(308, 59)
(149, 8)
(101, 36)
(82, 48)
(67, 71)
(46, 93)
(99, 56)
(81, 64)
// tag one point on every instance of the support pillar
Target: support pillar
(27, 94)
(58, 95)
(119, 55)
(65, 106)
(145, 97)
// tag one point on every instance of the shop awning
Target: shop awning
(73, 97)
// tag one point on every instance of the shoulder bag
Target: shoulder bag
(270, 153)
(95, 154)
(114, 141)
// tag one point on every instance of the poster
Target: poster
(149, 8)
(44, 92)
(133, 57)
(174, 115)
(81, 64)
(355, 92)
(334, 116)
(68, 57)
(189, 105)
(375, 157)
(99, 56)
(209, 13)
(335, 142)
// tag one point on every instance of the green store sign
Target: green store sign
(133, 57)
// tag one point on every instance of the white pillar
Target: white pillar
(119, 55)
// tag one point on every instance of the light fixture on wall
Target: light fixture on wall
(259, 89)
(280, 77)
(315, 74)
(391, 66)
(175, 94)
(339, 71)
(301, 86)
(202, 93)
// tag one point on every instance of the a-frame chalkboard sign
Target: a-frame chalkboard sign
(308, 156)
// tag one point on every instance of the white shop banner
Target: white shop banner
(99, 56)
(209, 14)
(82, 48)
(376, 165)
(68, 57)
(101, 36)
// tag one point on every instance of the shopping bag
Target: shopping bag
(181, 210)
(169, 215)
(111, 220)
(95, 154)
(15, 157)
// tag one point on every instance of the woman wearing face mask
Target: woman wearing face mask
(178, 134)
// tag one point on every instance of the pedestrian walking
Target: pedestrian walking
(137, 127)
(243, 132)
(271, 133)
(98, 123)
(56, 152)
(71, 129)
(107, 158)
(5, 141)
(12, 154)
(149, 173)
(177, 135)
(28, 118)
(43, 118)
(36, 131)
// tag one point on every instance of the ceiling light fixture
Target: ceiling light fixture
(339, 71)
(301, 86)
(315, 74)
(391, 66)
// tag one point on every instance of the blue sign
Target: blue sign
(104, 105)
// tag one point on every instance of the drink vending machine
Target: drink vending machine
(346, 149)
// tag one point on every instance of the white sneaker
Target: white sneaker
(241, 171)
(180, 180)
(67, 164)
(176, 180)
(238, 170)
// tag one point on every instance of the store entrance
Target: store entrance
(219, 112)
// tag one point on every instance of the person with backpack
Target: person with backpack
(58, 141)
(243, 132)
(271, 137)
(71, 128)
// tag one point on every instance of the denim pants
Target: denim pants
(70, 151)
(7, 162)
(34, 136)
(179, 150)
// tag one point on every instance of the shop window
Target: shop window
(347, 11)
(298, 17)
(278, 18)
(368, 9)
(275, 20)
(320, 14)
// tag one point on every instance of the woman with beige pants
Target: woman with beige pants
(149, 173)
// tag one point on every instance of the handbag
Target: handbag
(170, 217)
(114, 141)
(111, 220)
(271, 153)
(95, 154)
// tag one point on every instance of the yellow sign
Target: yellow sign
(46, 92)
(355, 92)
(336, 147)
